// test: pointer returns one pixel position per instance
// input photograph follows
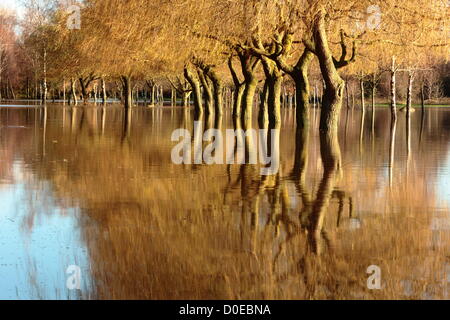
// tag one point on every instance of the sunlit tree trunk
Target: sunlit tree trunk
(207, 91)
(64, 91)
(248, 63)
(44, 96)
(302, 89)
(393, 97)
(363, 113)
(408, 112)
(217, 89)
(185, 96)
(273, 99)
(238, 90)
(334, 85)
(374, 90)
(393, 120)
(73, 86)
(274, 80)
(263, 117)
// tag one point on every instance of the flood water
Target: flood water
(96, 188)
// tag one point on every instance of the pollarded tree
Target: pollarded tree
(128, 39)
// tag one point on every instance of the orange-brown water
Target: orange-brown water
(95, 187)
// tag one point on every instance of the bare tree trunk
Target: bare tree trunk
(238, 90)
(422, 116)
(217, 89)
(185, 95)
(104, 97)
(74, 93)
(84, 92)
(408, 112)
(363, 113)
(263, 117)
(127, 90)
(273, 99)
(248, 63)
(374, 88)
(393, 120)
(172, 97)
(153, 100)
(347, 94)
(334, 85)
(363, 102)
(409, 92)
(274, 81)
(44, 98)
(64, 92)
(13, 95)
(393, 91)
(207, 91)
(302, 89)
(422, 98)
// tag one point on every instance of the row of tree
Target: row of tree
(201, 47)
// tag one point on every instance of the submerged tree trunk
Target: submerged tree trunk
(393, 120)
(334, 85)
(299, 73)
(422, 113)
(73, 91)
(363, 102)
(374, 91)
(274, 80)
(84, 92)
(363, 114)
(347, 94)
(127, 92)
(238, 90)
(217, 89)
(273, 99)
(408, 112)
(263, 116)
(393, 92)
(207, 92)
(409, 92)
(104, 97)
(185, 97)
(195, 84)
(64, 91)
(302, 89)
(248, 64)
(173, 97)
(44, 97)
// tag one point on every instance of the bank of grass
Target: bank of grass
(402, 105)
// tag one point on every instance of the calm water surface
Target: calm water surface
(96, 188)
